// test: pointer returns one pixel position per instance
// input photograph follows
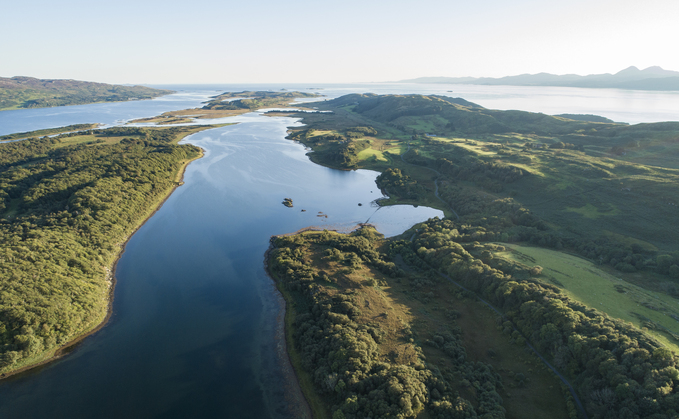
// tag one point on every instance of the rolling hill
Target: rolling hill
(29, 92)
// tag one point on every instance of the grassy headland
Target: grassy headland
(29, 92)
(68, 204)
(602, 190)
(228, 104)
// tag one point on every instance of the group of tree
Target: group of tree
(29, 92)
(340, 348)
(619, 371)
(65, 211)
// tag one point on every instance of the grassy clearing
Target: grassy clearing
(397, 151)
(592, 212)
(372, 154)
(475, 148)
(583, 281)
(541, 397)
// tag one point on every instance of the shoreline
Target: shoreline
(70, 346)
(283, 332)
(292, 381)
(89, 103)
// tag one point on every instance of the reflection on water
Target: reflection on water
(194, 320)
(194, 323)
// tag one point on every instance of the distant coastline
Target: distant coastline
(28, 92)
(631, 78)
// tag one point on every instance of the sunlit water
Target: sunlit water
(192, 334)
(195, 316)
(630, 106)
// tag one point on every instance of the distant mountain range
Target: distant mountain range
(29, 92)
(651, 78)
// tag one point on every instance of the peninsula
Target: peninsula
(548, 283)
(29, 92)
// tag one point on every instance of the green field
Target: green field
(370, 153)
(583, 281)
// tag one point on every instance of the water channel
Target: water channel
(194, 324)
(194, 319)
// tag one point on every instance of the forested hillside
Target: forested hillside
(29, 92)
(605, 190)
(375, 340)
(67, 205)
(601, 190)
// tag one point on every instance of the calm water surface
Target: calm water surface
(192, 332)
(194, 318)
(631, 106)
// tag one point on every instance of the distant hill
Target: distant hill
(29, 92)
(651, 78)
(585, 117)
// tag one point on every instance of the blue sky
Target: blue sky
(207, 41)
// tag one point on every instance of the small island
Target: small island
(230, 104)
(287, 202)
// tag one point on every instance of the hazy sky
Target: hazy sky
(210, 41)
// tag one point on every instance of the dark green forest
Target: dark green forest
(342, 348)
(67, 205)
(619, 371)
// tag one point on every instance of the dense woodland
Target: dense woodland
(66, 209)
(619, 371)
(343, 349)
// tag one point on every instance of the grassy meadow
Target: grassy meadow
(583, 281)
